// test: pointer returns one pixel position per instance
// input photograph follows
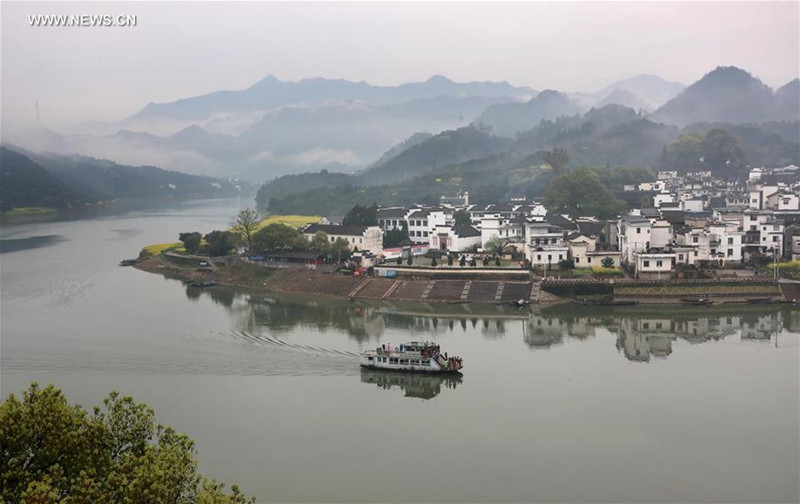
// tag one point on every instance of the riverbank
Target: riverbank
(433, 286)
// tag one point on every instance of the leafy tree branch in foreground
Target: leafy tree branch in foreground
(53, 451)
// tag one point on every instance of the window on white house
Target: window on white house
(730, 252)
(646, 264)
(730, 241)
(638, 230)
(659, 263)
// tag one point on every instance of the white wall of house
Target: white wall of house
(726, 241)
(445, 238)
(634, 236)
(654, 263)
(660, 234)
(661, 198)
(693, 205)
(495, 226)
(371, 240)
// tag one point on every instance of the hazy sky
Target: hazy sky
(188, 48)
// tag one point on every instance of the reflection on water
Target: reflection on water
(33, 242)
(417, 385)
(641, 333)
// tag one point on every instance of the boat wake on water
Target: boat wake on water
(271, 341)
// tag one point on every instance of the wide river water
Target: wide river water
(556, 404)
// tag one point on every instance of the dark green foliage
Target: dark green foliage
(53, 451)
(718, 150)
(607, 262)
(290, 184)
(446, 148)
(220, 243)
(566, 264)
(497, 261)
(396, 237)
(191, 241)
(278, 236)
(24, 183)
(461, 217)
(362, 215)
(581, 193)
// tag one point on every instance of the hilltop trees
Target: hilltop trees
(362, 215)
(581, 193)
(557, 159)
(53, 451)
(718, 151)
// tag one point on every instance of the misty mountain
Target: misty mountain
(625, 98)
(343, 136)
(23, 183)
(415, 139)
(510, 118)
(651, 90)
(59, 181)
(726, 94)
(270, 93)
(448, 147)
(787, 101)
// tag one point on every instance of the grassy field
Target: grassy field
(597, 271)
(19, 211)
(160, 248)
(294, 221)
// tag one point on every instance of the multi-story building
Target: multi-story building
(358, 237)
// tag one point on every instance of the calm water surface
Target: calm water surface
(559, 404)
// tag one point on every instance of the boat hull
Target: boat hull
(410, 369)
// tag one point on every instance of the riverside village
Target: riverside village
(691, 239)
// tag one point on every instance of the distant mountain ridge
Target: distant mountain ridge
(511, 118)
(731, 95)
(270, 93)
(58, 181)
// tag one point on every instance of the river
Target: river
(556, 404)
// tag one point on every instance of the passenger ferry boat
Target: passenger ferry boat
(415, 356)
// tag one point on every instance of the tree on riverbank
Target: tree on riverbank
(191, 241)
(220, 243)
(246, 224)
(52, 451)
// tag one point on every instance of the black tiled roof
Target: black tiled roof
(332, 229)
(465, 231)
(560, 221)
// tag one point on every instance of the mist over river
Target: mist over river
(556, 404)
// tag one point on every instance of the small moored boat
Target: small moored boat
(415, 356)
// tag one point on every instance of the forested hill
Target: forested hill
(56, 181)
(24, 183)
(731, 95)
